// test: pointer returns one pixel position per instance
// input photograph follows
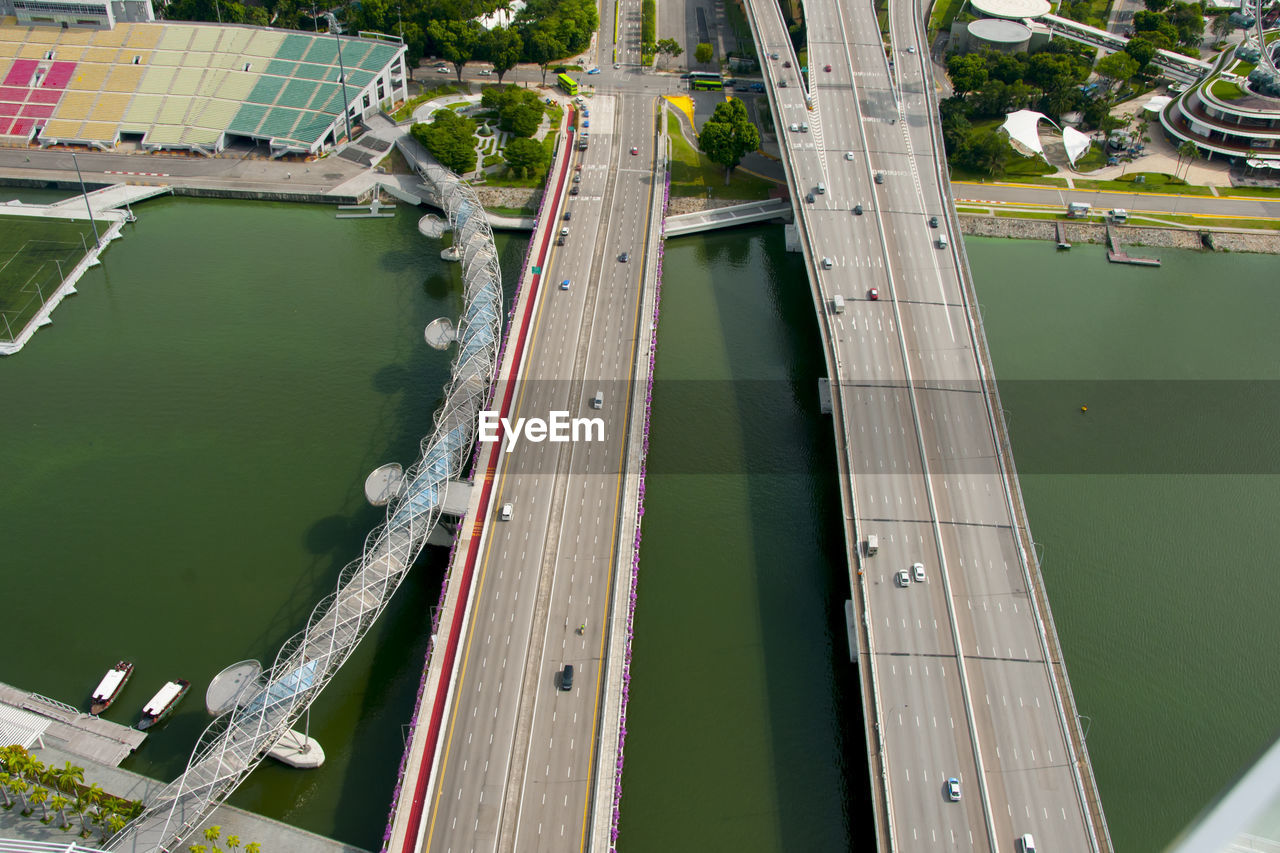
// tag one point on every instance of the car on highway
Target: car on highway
(917, 572)
(564, 232)
(826, 263)
(953, 789)
(809, 198)
(879, 177)
(559, 241)
(857, 210)
(635, 149)
(848, 155)
(616, 66)
(564, 285)
(441, 69)
(904, 580)
(568, 214)
(873, 294)
(826, 68)
(804, 128)
(794, 128)
(566, 677)
(782, 84)
(757, 87)
(594, 71)
(624, 257)
(485, 72)
(933, 222)
(787, 64)
(911, 49)
(577, 179)
(773, 56)
(1027, 843)
(573, 190)
(507, 511)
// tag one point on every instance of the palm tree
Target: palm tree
(233, 842)
(5, 780)
(197, 848)
(253, 847)
(86, 802)
(20, 786)
(110, 822)
(59, 804)
(40, 796)
(69, 777)
(1189, 151)
(212, 834)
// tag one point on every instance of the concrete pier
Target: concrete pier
(81, 736)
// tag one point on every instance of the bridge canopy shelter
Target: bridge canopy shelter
(21, 727)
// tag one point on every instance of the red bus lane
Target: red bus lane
(412, 829)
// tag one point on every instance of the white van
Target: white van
(597, 401)
(826, 263)
(873, 544)
(506, 512)
(942, 241)
(837, 304)
(822, 188)
(1028, 843)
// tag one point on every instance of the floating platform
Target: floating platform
(232, 687)
(1117, 255)
(67, 728)
(1060, 231)
(297, 750)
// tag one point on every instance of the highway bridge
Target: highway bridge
(961, 671)
(1186, 69)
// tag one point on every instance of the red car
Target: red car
(826, 68)
(635, 150)
(873, 294)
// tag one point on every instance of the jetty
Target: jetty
(1060, 232)
(1117, 255)
(29, 719)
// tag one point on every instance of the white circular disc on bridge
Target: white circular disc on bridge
(1014, 10)
(432, 226)
(440, 333)
(228, 686)
(384, 484)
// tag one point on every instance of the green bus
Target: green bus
(568, 84)
(702, 81)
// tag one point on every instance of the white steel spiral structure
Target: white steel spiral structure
(237, 741)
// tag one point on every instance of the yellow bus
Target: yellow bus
(568, 84)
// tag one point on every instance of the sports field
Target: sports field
(34, 254)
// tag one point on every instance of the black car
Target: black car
(857, 210)
(566, 677)
(568, 214)
(559, 241)
(624, 257)
(933, 222)
(573, 191)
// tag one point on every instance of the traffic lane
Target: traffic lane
(1205, 205)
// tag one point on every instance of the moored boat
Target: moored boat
(110, 687)
(163, 703)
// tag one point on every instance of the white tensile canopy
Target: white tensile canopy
(1022, 130)
(1076, 144)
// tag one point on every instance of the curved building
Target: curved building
(1222, 115)
(1010, 10)
(999, 35)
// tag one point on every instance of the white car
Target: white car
(903, 578)
(506, 512)
(917, 572)
(485, 72)
(911, 49)
(804, 128)
(794, 128)
(848, 155)
(441, 69)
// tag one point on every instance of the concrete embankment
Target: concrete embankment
(1091, 232)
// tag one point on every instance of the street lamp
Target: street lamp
(97, 241)
(342, 80)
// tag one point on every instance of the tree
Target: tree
(1117, 68)
(1190, 152)
(212, 834)
(703, 52)
(59, 804)
(1189, 22)
(986, 151)
(69, 777)
(544, 48)
(1142, 51)
(522, 119)
(5, 781)
(668, 47)
(20, 787)
(457, 41)
(524, 156)
(40, 796)
(233, 842)
(450, 138)
(1156, 5)
(502, 46)
(253, 847)
(968, 73)
(728, 135)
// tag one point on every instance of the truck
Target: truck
(872, 544)
(837, 304)
(582, 141)
(1119, 215)
(1078, 209)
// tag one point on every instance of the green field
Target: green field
(33, 252)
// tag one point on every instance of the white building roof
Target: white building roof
(1011, 9)
(21, 727)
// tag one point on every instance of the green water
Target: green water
(184, 452)
(1158, 537)
(744, 726)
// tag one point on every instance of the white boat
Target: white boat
(109, 688)
(163, 703)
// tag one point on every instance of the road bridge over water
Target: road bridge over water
(961, 672)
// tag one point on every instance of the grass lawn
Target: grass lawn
(944, 12)
(1226, 90)
(1094, 158)
(406, 112)
(1250, 192)
(1156, 183)
(31, 249)
(1013, 214)
(693, 173)
(394, 163)
(511, 211)
(741, 29)
(1258, 224)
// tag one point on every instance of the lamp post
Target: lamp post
(97, 241)
(342, 80)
